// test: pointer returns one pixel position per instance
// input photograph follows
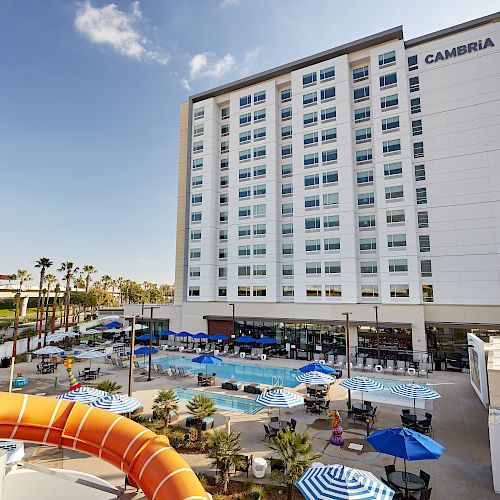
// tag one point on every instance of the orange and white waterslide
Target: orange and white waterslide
(148, 459)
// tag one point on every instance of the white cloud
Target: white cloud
(201, 65)
(185, 84)
(198, 64)
(108, 25)
(246, 66)
(226, 3)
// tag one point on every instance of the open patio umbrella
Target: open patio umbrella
(317, 367)
(54, 337)
(334, 482)
(363, 384)
(144, 337)
(207, 359)
(315, 378)
(245, 339)
(113, 324)
(166, 333)
(414, 391)
(266, 341)
(47, 350)
(219, 336)
(90, 355)
(200, 335)
(144, 350)
(117, 403)
(84, 394)
(277, 397)
(137, 327)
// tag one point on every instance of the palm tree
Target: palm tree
(22, 276)
(43, 264)
(296, 451)
(57, 290)
(89, 271)
(165, 405)
(120, 282)
(69, 269)
(224, 450)
(106, 281)
(50, 279)
(201, 407)
(109, 386)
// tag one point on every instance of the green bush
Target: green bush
(257, 491)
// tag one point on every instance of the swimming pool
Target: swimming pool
(223, 402)
(244, 372)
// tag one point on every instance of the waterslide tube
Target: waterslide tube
(147, 459)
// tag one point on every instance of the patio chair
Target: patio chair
(389, 368)
(174, 371)
(293, 424)
(405, 412)
(184, 373)
(359, 415)
(373, 414)
(339, 363)
(136, 365)
(225, 351)
(389, 469)
(369, 365)
(408, 423)
(421, 495)
(424, 427)
(274, 419)
(423, 370)
(270, 433)
(244, 464)
(233, 354)
(400, 369)
(428, 416)
(426, 477)
(360, 366)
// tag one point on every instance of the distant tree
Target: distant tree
(106, 282)
(102, 297)
(166, 404)
(69, 269)
(89, 271)
(43, 264)
(22, 276)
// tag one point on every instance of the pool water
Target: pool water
(244, 372)
(223, 402)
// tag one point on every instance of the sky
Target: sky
(89, 105)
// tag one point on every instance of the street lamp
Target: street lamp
(348, 349)
(378, 334)
(234, 334)
(132, 347)
(150, 340)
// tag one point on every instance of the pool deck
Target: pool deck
(460, 424)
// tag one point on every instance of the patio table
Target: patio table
(364, 407)
(282, 424)
(406, 481)
(416, 418)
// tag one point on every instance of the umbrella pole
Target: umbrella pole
(406, 479)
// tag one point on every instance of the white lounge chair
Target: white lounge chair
(368, 366)
(389, 366)
(423, 370)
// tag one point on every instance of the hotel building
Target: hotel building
(366, 175)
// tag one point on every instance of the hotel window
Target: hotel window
(424, 243)
(387, 80)
(243, 291)
(363, 134)
(414, 84)
(244, 137)
(259, 249)
(361, 93)
(313, 291)
(311, 201)
(389, 101)
(195, 216)
(396, 240)
(286, 169)
(287, 209)
(312, 223)
(287, 270)
(222, 253)
(287, 188)
(194, 291)
(330, 199)
(197, 163)
(243, 271)
(244, 173)
(195, 253)
(412, 63)
(259, 291)
(330, 221)
(259, 171)
(196, 198)
(310, 98)
(243, 231)
(286, 132)
(425, 268)
(393, 169)
(311, 159)
(287, 228)
(194, 272)
(224, 163)
(287, 291)
(223, 235)
(332, 267)
(395, 216)
(310, 139)
(329, 156)
(259, 115)
(423, 219)
(398, 265)
(427, 293)
(365, 199)
(418, 150)
(224, 130)
(259, 190)
(244, 192)
(259, 270)
(197, 181)
(330, 244)
(329, 134)
(421, 196)
(416, 127)
(420, 172)
(393, 192)
(330, 177)
(286, 151)
(245, 101)
(286, 113)
(387, 58)
(367, 244)
(286, 95)
(333, 291)
(309, 79)
(224, 113)
(245, 118)
(244, 211)
(313, 267)
(259, 152)
(364, 177)
(327, 73)
(390, 123)
(368, 267)
(198, 130)
(313, 245)
(415, 105)
(369, 291)
(365, 155)
(259, 229)
(222, 291)
(287, 249)
(243, 250)
(224, 147)
(259, 209)
(328, 114)
(366, 221)
(360, 73)
(198, 147)
(245, 155)
(327, 94)
(311, 180)
(400, 290)
(362, 114)
(259, 96)
(310, 118)
(196, 234)
(198, 113)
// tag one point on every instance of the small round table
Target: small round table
(282, 424)
(415, 417)
(406, 480)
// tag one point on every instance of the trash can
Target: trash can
(5, 362)
(438, 365)
(29, 357)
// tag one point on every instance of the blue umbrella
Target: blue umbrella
(266, 341)
(145, 337)
(219, 336)
(315, 378)
(363, 384)
(145, 350)
(277, 397)
(166, 333)
(183, 335)
(317, 367)
(114, 324)
(414, 391)
(245, 340)
(207, 359)
(200, 335)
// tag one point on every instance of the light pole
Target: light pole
(234, 334)
(378, 335)
(150, 340)
(131, 363)
(348, 349)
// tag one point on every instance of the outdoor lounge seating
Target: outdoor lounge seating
(252, 389)
(426, 477)
(389, 366)
(270, 433)
(230, 385)
(244, 465)
(421, 495)
(207, 422)
(408, 423)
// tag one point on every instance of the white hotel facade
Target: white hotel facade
(367, 175)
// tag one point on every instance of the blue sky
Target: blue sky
(89, 99)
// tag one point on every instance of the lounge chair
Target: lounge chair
(400, 369)
(184, 373)
(234, 353)
(230, 385)
(360, 366)
(369, 365)
(389, 366)
(174, 371)
(137, 365)
(225, 351)
(421, 495)
(252, 389)
(256, 354)
(423, 370)
(339, 363)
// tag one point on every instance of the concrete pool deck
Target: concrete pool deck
(460, 423)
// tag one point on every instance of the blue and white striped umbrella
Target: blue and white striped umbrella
(279, 398)
(84, 394)
(337, 482)
(414, 391)
(117, 403)
(315, 378)
(48, 349)
(363, 384)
